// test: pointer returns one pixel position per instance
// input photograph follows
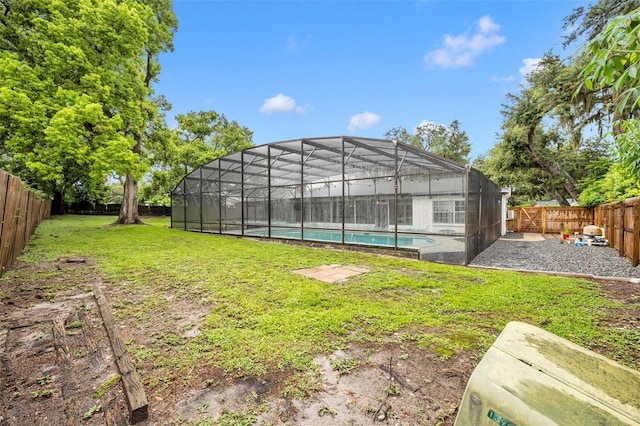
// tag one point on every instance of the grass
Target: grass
(105, 386)
(260, 317)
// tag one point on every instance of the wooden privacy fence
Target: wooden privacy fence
(549, 220)
(21, 211)
(620, 221)
(114, 209)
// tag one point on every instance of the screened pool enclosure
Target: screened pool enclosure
(344, 190)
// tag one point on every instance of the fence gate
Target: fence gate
(530, 219)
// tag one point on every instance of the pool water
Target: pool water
(351, 237)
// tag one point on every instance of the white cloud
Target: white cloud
(487, 25)
(460, 51)
(294, 42)
(362, 121)
(530, 65)
(507, 79)
(282, 103)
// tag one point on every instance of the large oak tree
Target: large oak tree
(75, 87)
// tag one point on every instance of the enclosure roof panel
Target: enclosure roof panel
(323, 158)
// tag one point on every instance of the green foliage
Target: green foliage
(74, 81)
(44, 380)
(614, 61)
(448, 141)
(228, 418)
(617, 184)
(93, 410)
(44, 393)
(613, 69)
(400, 134)
(65, 70)
(74, 324)
(393, 389)
(541, 154)
(591, 21)
(105, 386)
(199, 138)
(345, 366)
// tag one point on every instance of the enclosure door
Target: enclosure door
(382, 220)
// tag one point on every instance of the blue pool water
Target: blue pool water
(353, 237)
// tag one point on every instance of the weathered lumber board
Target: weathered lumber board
(133, 389)
(95, 355)
(66, 369)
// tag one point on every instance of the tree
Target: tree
(541, 150)
(400, 134)
(199, 138)
(591, 21)
(63, 77)
(75, 80)
(614, 182)
(448, 141)
(161, 24)
(614, 68)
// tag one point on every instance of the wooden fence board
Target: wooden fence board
(19, 240)
(21, 212)
(619, 220)
(9, 230)
(4, 190)
(550, 220)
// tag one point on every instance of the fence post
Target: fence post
(636, 233)
(620, 209)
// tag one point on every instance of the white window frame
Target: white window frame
(448, 212)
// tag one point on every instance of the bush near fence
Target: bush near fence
(620, 221)
(114, 209)
(21, 211)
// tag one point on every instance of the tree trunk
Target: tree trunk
(129, 209)
(548, 166)
(557, 195)
(57, 205)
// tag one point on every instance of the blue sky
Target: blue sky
(294, 69)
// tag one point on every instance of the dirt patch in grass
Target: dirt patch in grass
(363, 383)
(51, 378)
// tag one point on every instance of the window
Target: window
(448, 211)
(405, 211)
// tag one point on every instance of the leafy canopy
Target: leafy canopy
(72, 74)
(615, 68)
(448, 141)
(200, 137)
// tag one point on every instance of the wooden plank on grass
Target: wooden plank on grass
(133, 390)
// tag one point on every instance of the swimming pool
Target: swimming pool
(350, 237)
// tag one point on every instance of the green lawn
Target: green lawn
(262, 317)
